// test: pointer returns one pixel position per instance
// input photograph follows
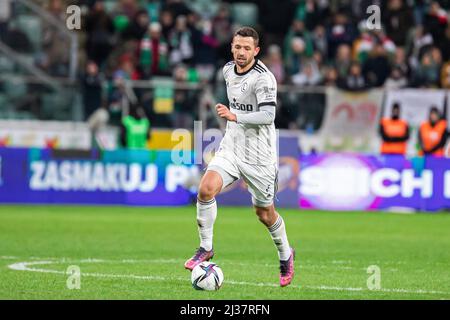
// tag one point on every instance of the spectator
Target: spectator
(222, 24)
(436, 21)
(180, 41)
(127, 66)
(167, 23)
(331, 76)
(184, 100)
(205, 49)
(127, 8)
(135, 129)
(274, 61)
(138, 26)
(418, 41)
(399, 61)
(120, 94)
(343, 60)
(397, 21)
(394, 133)
(428, 73)
(355, 81)
(339, 32)
(396, 80)
(92, 89)
(177, 8)
(445, 76)
(388, 45)
(309, 76)
(154, 52)
(363, 45)
(320, 40)
(433, 134)
(377, 67)
(298, 45)
(317, 59)
(275, 17)
(311, 12)
(100, 32)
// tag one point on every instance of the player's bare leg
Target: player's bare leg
(274, 222)
(210, 186)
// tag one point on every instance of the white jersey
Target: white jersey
(247, 93)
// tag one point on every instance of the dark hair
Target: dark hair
(396, 105)
(248, 32)
(435, 109)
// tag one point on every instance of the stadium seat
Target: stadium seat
(205, 7)
(4, 104)
(32, 27)
(245, 13)
(14, 87)
(25, 115)
(56, 106)
(110, 5)
(6, 65)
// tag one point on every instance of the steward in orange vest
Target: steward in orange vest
(394, 133)
(433, 134)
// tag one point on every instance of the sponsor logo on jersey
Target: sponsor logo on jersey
(269, 93)
(240, 106)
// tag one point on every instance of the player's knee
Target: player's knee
(207, 191)
(263, 215)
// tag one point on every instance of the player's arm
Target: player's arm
(266, 97)
(265, 115)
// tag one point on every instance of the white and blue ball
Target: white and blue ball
(207, 276)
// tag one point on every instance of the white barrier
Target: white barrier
(43, 134)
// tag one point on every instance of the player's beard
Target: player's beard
(243, 63)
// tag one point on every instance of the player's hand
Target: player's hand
(225, 113)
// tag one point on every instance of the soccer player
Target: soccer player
(248, 150)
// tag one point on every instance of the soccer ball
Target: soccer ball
(207, 276)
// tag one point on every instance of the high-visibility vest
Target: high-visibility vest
(432, 136)
(394, 129)
(136, 132)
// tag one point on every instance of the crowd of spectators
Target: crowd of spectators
(325, 42)
(304, 43)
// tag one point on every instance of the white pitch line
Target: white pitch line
(223, 262)
(8, 258)
(25, 266)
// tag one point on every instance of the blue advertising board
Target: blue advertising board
(111, 177)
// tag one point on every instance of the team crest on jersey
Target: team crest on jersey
(244, 87)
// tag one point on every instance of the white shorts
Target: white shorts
(261, 180)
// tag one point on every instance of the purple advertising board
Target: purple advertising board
(361, 182)
(111, 177)
(288, 169)
(336, 181)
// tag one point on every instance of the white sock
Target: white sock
(279, 237)
(206, 215)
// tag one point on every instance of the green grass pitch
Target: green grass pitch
(138, 253)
